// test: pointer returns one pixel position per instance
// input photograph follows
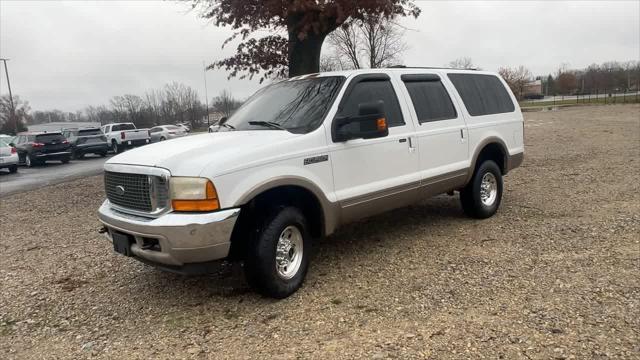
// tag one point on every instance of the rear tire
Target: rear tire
(278, 255)
(482, 196)
(65, 160)
(29, 161)
(13, 169)
(115, 147)
(162, 139)
(103, 154)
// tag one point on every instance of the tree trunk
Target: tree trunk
(304, 55)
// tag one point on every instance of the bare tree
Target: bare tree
(516, 78)
(225, 103)
(345, 42)
(21, 116)
(373, 42)
(383, 44)
(463, 63)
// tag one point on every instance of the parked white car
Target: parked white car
(306, 155)
(8, 154)
(166, 132)
(121, 136)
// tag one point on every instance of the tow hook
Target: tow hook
(102, 230)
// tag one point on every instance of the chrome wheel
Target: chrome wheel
(114, 147)
(289, 252)
(488, 189)
(27, 161)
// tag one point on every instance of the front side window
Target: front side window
(431, 101)
(482, 94)
(372, 91)
(298, 106)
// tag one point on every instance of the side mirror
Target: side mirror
(370, 123)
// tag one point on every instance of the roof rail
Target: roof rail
(427, 67)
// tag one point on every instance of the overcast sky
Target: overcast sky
(67, 55)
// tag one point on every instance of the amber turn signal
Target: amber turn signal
(382, 124)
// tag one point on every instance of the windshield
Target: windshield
(5, 141)
(47, 138)
(298, 106)
(87, 132)
(121, 127)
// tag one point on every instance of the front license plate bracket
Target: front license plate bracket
(122, 243)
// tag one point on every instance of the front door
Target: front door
(375, 175)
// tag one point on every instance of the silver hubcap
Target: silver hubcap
(488, 189)
(28, 160)
(289, 252)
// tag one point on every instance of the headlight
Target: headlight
(193, 194)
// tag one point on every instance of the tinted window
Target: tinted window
(122, 127)
(482, 94)
(431, 101)
(172, 127)
(47, 138)
(372, 91)
(155, 130)
(86, 132)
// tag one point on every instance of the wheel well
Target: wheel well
(495, 152)
(257, 209)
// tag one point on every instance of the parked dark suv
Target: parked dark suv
(36, 148)
(86, 141)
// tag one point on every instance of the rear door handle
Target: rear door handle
(403, 140)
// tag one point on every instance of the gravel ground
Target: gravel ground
(555, 274)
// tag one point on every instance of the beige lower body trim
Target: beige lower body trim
(400, 196)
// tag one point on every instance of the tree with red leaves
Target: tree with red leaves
(307, 24)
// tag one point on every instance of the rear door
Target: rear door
(441, 130)
(374, 175)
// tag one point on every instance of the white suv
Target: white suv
(302, 157)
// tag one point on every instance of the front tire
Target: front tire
(65, 160)
(482, 196)
(278, 255)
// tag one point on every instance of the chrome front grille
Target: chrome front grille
(131, 191)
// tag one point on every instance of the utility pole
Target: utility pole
(12, 113)
(206, 95)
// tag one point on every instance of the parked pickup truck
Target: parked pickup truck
(124, 135)
(306, 155)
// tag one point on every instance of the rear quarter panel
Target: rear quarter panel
(508, 127)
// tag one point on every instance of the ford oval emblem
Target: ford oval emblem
(120, 190)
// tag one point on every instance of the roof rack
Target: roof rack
(427, 67)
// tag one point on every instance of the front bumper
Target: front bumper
(183, 238)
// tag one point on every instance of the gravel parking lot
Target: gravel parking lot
(555, 274)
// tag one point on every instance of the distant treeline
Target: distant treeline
(596, 78)
(173, 103)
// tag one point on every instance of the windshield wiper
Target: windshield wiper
(270, 124)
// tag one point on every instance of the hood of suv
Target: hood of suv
(187, 156)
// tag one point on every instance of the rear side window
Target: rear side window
(47, 138)
(430, 100)
(372, 91)
(122, 127)
(482, 94)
